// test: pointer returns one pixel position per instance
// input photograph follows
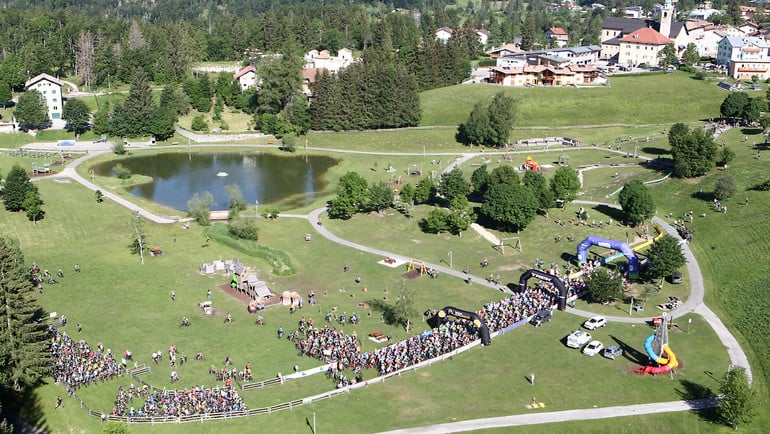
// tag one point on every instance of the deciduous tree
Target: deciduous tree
(31, 110)
(565, 184)
(199, 207)
(17, 185)
(512, 207)
(726, 187)
(603, 286)
(738, 400)
(693, 150)
(665, 257)
(77, 115)
(636, 202)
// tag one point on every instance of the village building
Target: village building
(246, 77)
(50, 88)
(559, 36)
(745, 57)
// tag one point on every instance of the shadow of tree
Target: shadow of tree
(690, 391)
(25, 411)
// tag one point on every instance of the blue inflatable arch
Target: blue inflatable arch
(628, 252)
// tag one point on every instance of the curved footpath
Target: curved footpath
(694, 303)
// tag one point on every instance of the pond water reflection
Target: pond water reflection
(267, 178)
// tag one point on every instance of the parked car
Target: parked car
(595, 322)
(578, 338)
(613, 352)
(541, 317)
(676, 277)
(593, 348)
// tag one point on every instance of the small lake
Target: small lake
(268, 178)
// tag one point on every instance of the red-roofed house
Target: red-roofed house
(246, 77)
(505, 50)
(642, 46)
(558, 35)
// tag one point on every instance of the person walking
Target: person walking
(173, 295)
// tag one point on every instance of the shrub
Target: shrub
(199, 124)
(726, 187)
(122, 172)
(244, 229)
(700, 75)
(119, 148)
(289, 143)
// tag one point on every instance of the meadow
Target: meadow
(127, 305)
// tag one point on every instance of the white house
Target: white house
(745, 57)
(444, 34)
(50, 87)
(483, 35)
(315, 59)
(246, 77)
(633, 12)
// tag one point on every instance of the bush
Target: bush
(199, 124)
(279, 260)
(487, 62)
(122, 172)
(700, 75)
(119, 148)
(726, 187)
(224, 125)
(289, 143)
(244, 229)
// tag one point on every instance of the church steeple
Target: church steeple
(666, 15)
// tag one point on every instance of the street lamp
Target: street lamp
(256, 208)
(450, 258)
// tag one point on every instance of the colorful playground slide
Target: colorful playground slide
(666, 363)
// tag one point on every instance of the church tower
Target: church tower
(666, 15)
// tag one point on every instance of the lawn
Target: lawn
(631, 99)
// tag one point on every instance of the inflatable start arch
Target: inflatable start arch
(555, 280)
(441, 317)
(628, 252)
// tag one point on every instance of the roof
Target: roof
(42, 77)
(647, 36)
(557, 31)
(309, 74)
(445, 29)
(483, 32)
(245, 71)
(625, 25)
(506, 47)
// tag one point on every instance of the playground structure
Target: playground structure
(416, 264)
(625, 249)
(658, 350)
(531, 165)
(441, 317)
(555, 280)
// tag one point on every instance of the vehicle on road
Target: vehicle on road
(595, 322)
(541, 317)
(578, 338)
(593, 348)
(676, 277)
(613, 352)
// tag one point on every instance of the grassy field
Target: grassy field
(630, 100)
(127, 305)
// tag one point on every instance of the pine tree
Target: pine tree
(23, 339)
(139, 105)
